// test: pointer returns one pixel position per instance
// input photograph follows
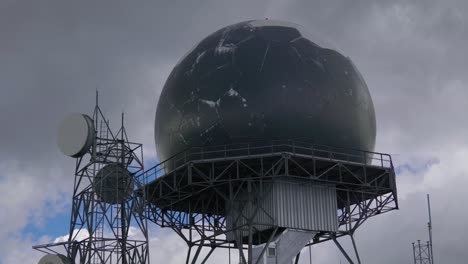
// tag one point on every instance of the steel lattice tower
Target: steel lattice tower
(105, 206)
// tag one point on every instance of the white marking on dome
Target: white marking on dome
(244, 40)
(210, 103)
(173, 106)
(272, 23)
(199, 57)
(223, 66)
(232, 92)
(225, 49)
(297, 52)
(182, 138)
(208, 129)
(264, 55)
(296, 39)
(197, 61)
(318, 63)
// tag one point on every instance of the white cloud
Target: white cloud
(78, 235)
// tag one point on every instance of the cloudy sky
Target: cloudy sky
(54, 54)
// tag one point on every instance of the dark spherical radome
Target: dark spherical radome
(261, 81)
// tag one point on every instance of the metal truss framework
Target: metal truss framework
(190, 191)
(422, 253)
(106, 225)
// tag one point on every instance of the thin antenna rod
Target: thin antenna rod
(123, 207)
(122, 123)
(429, 225)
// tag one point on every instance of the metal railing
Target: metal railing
(245, 150)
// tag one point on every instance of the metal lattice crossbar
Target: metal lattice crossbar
(317, 151)
(190, 191)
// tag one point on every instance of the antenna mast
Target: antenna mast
(429, 226)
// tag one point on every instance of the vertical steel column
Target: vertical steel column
(429, 225)
(419, 251)
(297, 258)
(251, 218)
(122, 206)
(355, 248)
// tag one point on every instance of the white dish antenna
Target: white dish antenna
(113, 184)
(55, 259)
(76, 135)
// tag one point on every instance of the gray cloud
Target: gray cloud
(55, 54)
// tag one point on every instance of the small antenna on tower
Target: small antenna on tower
(429, 226)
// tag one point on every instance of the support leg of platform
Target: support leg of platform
(188, 255)
(355, 249)
(194, 260)
(343, 251)
(297, 258)
(260, 256)
(208, 255)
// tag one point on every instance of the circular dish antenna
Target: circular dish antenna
(55, 259)
(113, 184)
(76, 135)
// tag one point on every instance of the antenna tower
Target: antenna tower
(423, 253)
(105, 208)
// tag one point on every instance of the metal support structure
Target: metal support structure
(296, 261)
(429, 226)
(343, 251)
(422, 253)
(107, 223)
(193, 191)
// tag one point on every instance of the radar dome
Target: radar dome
(263, 81)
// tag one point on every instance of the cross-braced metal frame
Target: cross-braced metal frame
(106, 224)
(422, 253)
(190, 192)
